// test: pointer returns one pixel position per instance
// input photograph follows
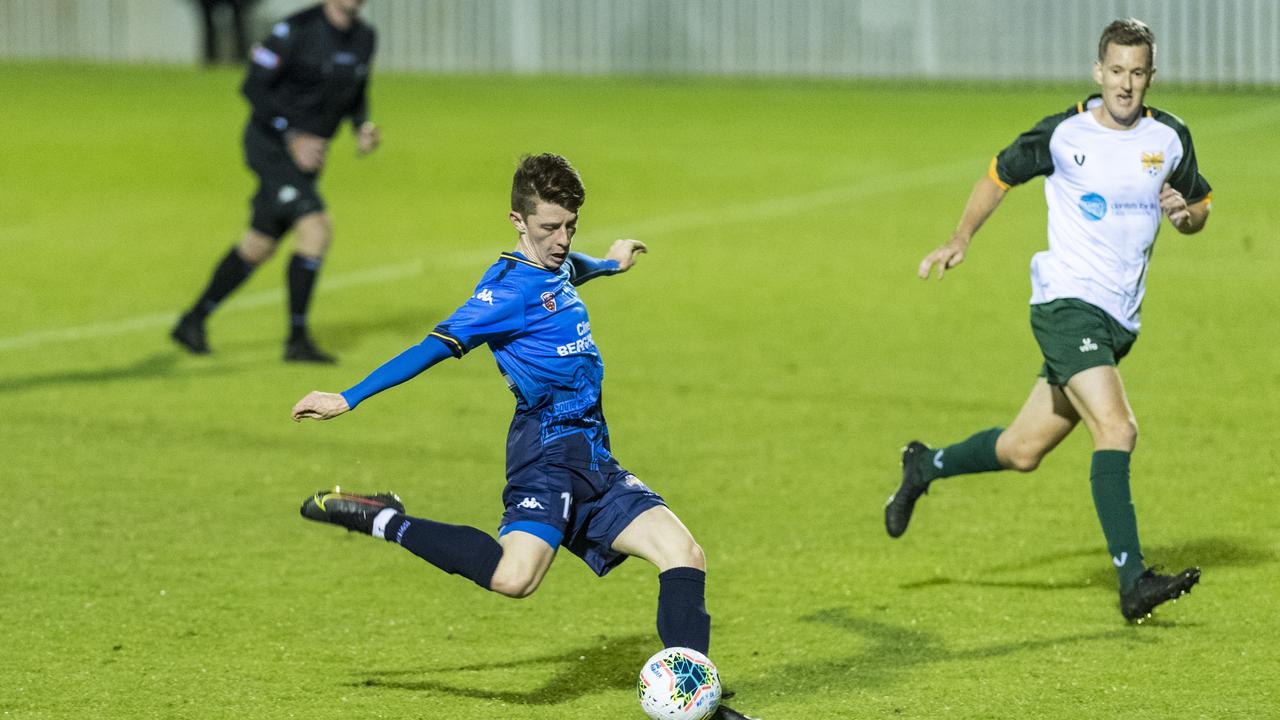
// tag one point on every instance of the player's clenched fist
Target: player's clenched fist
(320, 406)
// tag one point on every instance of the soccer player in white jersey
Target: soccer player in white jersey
(1113, 167)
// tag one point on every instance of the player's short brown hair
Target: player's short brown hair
(549, 178)
(1129, 31)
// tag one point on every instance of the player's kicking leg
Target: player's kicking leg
(1046, 418)
(513, 565)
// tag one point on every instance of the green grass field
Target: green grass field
(765, 362)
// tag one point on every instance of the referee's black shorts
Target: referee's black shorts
(285, 192)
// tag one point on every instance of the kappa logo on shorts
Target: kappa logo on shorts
(287, 194)
(1088, 344)
(549, 301)
(531, 504)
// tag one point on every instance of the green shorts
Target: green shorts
(1074, 335)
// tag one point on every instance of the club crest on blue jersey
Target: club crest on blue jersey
(549, 301)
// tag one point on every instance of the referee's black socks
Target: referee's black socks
(302, 280)
(682, 609)
(227, 276)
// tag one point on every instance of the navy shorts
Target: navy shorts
(285, 192)
(570, 482)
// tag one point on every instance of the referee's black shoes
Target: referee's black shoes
(189, 333)
(301, 349)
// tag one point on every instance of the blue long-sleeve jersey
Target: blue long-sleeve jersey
(537, 328)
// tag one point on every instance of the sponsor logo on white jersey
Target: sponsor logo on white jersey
(531, 504)
(485, 295)
(1087, 344)
(1093, 206)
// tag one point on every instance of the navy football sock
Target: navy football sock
(455, 549)
(682, 611)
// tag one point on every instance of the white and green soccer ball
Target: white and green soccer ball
(679, 684)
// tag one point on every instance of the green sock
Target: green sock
(975, 455)
(1109, 477)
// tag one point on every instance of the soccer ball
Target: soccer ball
(679, 684)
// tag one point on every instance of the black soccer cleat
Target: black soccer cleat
(351, 511)
(897, 511)
(724, 712)
(189, 333)
(301, 349)
(1152, 589)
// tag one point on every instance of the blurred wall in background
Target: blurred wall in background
(1228, 42)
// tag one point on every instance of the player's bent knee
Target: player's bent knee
(695, 557)
(1120, 435)
(514, 585)
(1024, 460)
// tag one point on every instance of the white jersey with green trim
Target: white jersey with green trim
(1102, 188)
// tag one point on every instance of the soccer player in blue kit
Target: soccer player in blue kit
(564, 486)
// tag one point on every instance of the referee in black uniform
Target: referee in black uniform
(310, 73)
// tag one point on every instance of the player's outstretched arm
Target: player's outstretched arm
(983, 200)
(1187, 218)
(622, 255)
(402, 368)
(319, 406)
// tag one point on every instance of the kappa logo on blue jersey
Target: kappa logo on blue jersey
(1093, 206)
(485, 295)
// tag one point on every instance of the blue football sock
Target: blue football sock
(455, 549)
(682, 610)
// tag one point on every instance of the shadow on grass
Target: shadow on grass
(610, 665)
(1207, 553)
(410, 326)
(891, 653)
(153, 366)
